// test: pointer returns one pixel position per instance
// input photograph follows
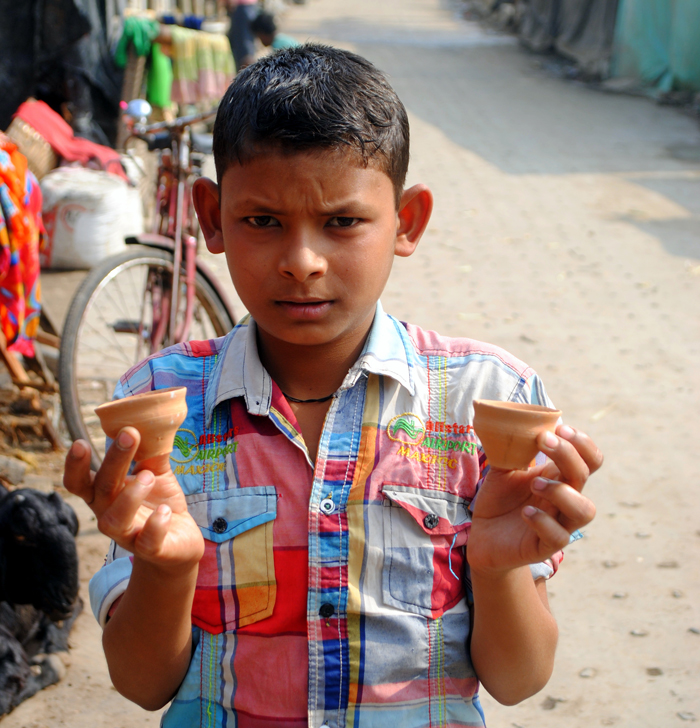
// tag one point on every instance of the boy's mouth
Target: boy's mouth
(305, 310)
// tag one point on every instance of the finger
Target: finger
(583, 444)
(571, 467)
(109, 479)
(552, 535)
(571, 509)
(77, 476)
(118, 521)
(149, 541)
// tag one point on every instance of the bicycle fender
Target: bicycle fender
(151, 240)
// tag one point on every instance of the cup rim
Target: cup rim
(497, 404)
(130, 399)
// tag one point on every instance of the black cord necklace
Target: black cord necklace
(307, 401)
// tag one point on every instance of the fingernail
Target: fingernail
(550, 440)
(145, 477)
(163, 510)
(125, 440)
(566, 432)
(529, 511)
(77, 450)
(540, 483)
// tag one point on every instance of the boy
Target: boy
(265, 29)
(309, 554)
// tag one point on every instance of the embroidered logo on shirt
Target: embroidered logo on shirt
(211, 438)
(409, 432)
(448, 429)
(203, 447)
(186, 443)
(406, 427)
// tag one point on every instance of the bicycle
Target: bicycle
(124, 309)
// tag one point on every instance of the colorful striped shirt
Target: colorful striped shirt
(330, 594)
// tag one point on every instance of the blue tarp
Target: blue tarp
(657, 43)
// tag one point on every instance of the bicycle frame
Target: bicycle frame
(174, 216)
(125, 308)
(154, 240)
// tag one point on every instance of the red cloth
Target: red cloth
(59, 135)
(21, 237)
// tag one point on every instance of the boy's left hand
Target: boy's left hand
(523, 517)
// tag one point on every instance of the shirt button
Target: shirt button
(326, 611)
(327, 506)
(219, 525)
(431, 521)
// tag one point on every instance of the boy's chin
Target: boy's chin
(311, 335)
(336, 328)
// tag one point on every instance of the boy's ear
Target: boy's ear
(414, 213)
(205, 196)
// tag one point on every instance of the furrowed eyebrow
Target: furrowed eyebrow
(258, 208)
(347, 209)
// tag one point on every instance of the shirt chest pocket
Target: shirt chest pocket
(236, 581)
(425, 533)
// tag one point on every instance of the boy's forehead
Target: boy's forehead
(323, 161)
(281, 154)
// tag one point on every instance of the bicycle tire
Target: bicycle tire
(100, 339)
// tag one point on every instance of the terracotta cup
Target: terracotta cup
(508, 431)
(157, 415)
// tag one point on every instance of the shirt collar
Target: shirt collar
(238, 371)
(388, 352)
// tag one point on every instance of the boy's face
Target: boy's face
(309, 238)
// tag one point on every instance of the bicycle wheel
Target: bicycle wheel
(107, 330)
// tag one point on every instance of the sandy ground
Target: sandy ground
(567, 229)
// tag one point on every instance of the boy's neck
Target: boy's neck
(309, 371)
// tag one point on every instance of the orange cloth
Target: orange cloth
(21, 236)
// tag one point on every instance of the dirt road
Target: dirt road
(567, 229)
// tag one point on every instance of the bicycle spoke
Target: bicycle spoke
(106, 328)
(113, 344)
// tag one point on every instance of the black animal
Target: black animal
(38, 591)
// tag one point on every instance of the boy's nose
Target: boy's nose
(302, 259)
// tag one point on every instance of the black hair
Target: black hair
(263, 24)
(313, 97)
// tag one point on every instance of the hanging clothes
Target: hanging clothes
(21, 237)
(202, 66)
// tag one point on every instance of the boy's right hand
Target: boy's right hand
(145, 513)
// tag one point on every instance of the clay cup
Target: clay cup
(157, 415)
(508, 431)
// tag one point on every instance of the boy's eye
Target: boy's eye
(343, 221)
(262, 221)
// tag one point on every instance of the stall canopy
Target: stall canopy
(657, 43)
(581, 30)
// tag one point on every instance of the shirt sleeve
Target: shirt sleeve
(110, 582)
